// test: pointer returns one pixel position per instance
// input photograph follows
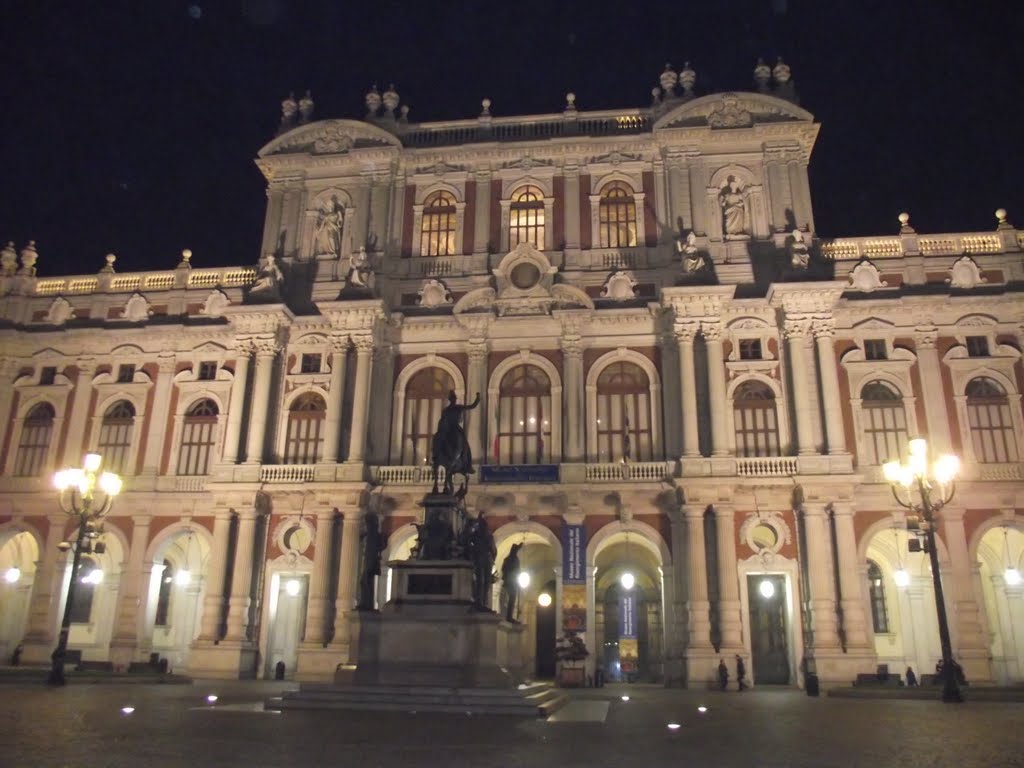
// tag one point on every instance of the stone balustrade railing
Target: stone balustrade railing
(639, 470)
(129, 282)
(287, 473)
(856, 248)
(767, 466)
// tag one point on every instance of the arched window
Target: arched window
(163, 601)
(524, 412)
(34, 444)
(617, 216)
(85, 590)
(305, 429)
(425, 396)
(988, 414)
(197, 438)
(885, 422)
(756, 420)
(116, 431)
(437, 231)
(876, 589)
(526, 221)
(623, 418)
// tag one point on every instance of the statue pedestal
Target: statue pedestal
(429, 634)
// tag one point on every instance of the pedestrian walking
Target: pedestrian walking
(911, 677)
(741, 673)
(723, 675)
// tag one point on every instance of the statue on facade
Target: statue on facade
(734, 209)
(359, 273)
(450, 448)
(799, 252)
(329, 224)
(693, 260)
(373, 545)
(268, 276)
(481, 551)
(510, 581)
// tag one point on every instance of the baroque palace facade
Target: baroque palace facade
(672, 365)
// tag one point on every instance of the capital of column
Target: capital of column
(685, 331)
(478, 350)
(823, 327)
(482, 175)
(711, 330)
(572, 347)
(926, 336)
(339, 342)
(364, 344)
(266, 347)
(86, 365)
(796, 327)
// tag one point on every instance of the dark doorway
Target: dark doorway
(546, 633)
(768, 631)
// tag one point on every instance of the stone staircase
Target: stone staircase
(528, 700)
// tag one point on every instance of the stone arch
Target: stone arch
(12, 528)
(654, 386)
(526, 357)
(991, 523)
(439, 186)
(402, 384)
(781, 409)
(649, 538)
(166, 536)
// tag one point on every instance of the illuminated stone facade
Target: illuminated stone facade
(667, 353)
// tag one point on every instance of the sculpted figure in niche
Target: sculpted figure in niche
(510, 581)
(359, 270)
(799, 252)
(692, 260)
(734, 209)
(269, 275)
(329, 224)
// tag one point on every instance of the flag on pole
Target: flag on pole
(540, 430)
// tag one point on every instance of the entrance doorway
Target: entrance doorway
(287, 624)
(769, 632)
(545, 632)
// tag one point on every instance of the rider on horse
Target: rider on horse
(450, 447)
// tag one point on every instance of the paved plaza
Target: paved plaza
(173, 725)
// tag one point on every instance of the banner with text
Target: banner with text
(574, 578)
(629, 650)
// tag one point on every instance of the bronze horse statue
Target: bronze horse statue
(449, 448)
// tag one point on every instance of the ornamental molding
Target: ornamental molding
(865, 277)
(330, 137)
(620, 286)
(775, 521)
(60, 311)
(802, 299)
(965, 274)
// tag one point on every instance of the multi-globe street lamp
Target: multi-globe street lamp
(77, 491)
(934, 486)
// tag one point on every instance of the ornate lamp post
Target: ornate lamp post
(935, 489)
(76, 493)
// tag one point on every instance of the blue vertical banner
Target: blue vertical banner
(627, 615)
(574, 578)
(629, 644)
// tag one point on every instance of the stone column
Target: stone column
(685, 331)
(664, 223)
(730, 619)
(131, 597)
(476, 420)
(8, 368)
(482, 215)
(697, 183)
(266, 353)
(236, 406)
(45, 612)
(316, 604)
(936, 409)
(572, 357)
(160, 418)
(796, 330)
(699, 624)
(335, 399)
(712, 331)
(969, 634)
(572, 208)
(75, 446)
(855, 624)
(835, 431)
(216, 570)
(241, 578)
(821, 583)
(348, 573)
(361, 399)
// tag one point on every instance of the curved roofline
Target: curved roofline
(699, 106)
(305, 133)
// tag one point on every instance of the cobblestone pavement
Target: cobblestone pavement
(174, 726)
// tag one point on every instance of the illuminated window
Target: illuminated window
(885, 422)
(756, 420)
(524, 412)
(426, 395)
(617, 216)
(34, 444)
(875, 349)
(305, 429)
(526, 222)
(988, 414)
(437, 231)
(116, 432)
(197, 438)
(623, 413)
(876, 588)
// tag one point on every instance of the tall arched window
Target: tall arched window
(116, 432)
(617, 216)
(163, 601)
(524, 412)
(876, 589)
(437, 231)
(34, 443)
(425, 396)
(756, 420)
(885, 422)
(526, 220)
(85, 591)
(623, 418)
(197, 438)
(305, 429)
(991, 423)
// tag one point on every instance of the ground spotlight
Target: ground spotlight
(674, 726)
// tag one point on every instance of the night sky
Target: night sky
(131, 127)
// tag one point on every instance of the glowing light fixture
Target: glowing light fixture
(625, 698)
(211, 699)
(627, 580)
(1011, 575)
(766, 588)
(12, 575)
(127, 710)
(673, 726)
(292, 587)
(94, 577)
(901, 577)
(183, 578)
(523, 579)
(543, 599)
(702, 709)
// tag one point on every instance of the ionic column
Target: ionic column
(699, 625)
(316, 604)
(476, 381)
(74, 446)
(236, 405)
(835, 432)
(132, 593)
(712, 331)
(664, 221)
(572, 356)
(685, 332)
(348, 571)
(361, 399)
(730, 620)
(44, 611)
(241, 578)
(854, 621)
(216, 570)
(335, 399)
(796, 330)
(160, 417)
(935, 406)
(819, 571)
(266, 353)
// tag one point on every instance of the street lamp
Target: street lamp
(937, 479)
(76, 493)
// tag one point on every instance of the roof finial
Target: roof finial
(1001, 220)
(391, 100)
(762, 74)
(687, 79)
(668, 80)
(905, 228)
(289, 107)
(306, 108)
(372, 102)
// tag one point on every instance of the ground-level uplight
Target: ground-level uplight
(211, 699)
(127, 710)
(625, 698)
(702, 709)
(674, 726)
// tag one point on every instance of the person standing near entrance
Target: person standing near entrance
(723, 675)
(741, 673)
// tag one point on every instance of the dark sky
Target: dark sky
(131, 126)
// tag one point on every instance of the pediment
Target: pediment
(329, 137)
(733, 110)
